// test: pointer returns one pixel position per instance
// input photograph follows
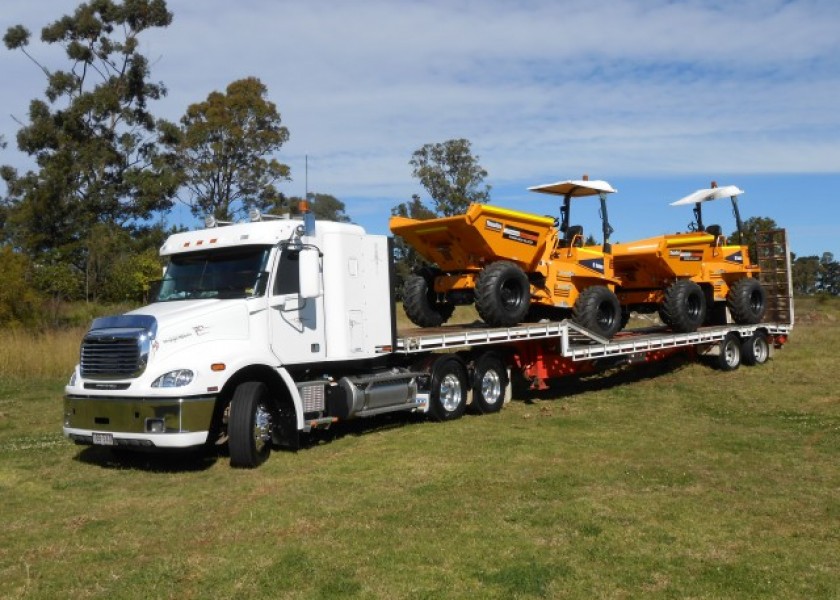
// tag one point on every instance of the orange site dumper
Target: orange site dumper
(513, 265)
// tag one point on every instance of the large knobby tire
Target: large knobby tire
(684, 306)
(729, 358)
(747, 301)
(421, 305)
(250, 425)
(755, 350)
(597, 309)
(490, 381)
(502, 294)
(448, 389)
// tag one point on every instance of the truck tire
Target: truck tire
(250, 425)
(755, 350)
(490, 381)
(684, 306)
(597, 309)
(448, 391)
(502, 294)
(729, 358)
(421, 305)
(747, 301)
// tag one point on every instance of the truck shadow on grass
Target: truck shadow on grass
(179, 461)
(611, 377)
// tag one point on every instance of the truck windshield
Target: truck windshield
(222, 273)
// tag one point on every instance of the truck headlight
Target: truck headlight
(72, 382)
(177, 378)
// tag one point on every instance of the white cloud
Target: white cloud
(543, 89)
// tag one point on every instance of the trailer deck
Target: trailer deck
(575, 342)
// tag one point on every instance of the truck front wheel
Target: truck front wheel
(448, 391)
(249, 427)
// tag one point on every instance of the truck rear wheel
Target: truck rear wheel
(684, 307)
(490, 383)
(421, 304)
(729, 358)
(250, 425)
(502, 294)
(597, 308)
(755, 350)
(448, 391)
(747, 301)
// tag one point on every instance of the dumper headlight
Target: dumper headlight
(177, 378)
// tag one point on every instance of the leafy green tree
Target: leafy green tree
(222, 151)
(325, 207)
(406, 259)
(451, 175)
(750, 228)
(805, 274)
(829, 275)
(19, 303)
(93, 138)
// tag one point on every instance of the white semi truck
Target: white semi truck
(264, 330)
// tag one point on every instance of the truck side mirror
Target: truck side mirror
(310, 273)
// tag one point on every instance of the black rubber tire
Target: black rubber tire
(684, 306)
(729, 358)
(448, 389)
(747, 301)
(250, 425)
(502, 294)
(597, 309)
(421, 305)
(490, 381)
(755, 350)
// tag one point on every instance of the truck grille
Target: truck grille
(110, 357)
(117, 347)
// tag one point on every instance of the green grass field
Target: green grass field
(672, 481)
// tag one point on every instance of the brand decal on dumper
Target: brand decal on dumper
(520, 235)
(596, 264)
(737, 257)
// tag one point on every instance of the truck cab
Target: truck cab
(275, 303)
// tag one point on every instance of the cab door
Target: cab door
(296, 323)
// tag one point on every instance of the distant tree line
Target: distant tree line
(85, 222)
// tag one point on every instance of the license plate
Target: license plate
(103, 439)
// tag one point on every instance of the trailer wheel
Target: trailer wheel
(421, 305)
(250, 425)
(729, 358)
(684, 307)
(598, 310)
(755, 350)
(502, 294)
(747, 301)
(448, 392)
(490, 383)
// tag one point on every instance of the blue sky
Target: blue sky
(656, 97)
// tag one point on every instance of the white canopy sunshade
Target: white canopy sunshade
(574, 188)
(717, 193)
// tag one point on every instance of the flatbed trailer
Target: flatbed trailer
(549, 350)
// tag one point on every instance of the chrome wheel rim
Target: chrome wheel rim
(491, 387)
(450, 392)
(262, 428)
(760, 350)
